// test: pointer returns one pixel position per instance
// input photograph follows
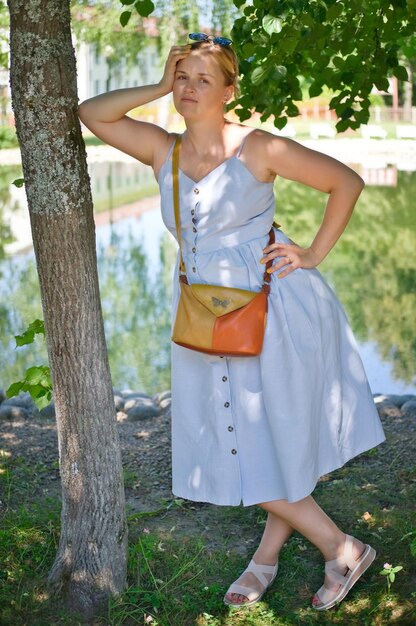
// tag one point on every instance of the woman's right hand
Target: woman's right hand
(176, 54)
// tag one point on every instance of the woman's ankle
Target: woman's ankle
(263, 557)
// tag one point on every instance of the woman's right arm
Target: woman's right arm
(105, 115)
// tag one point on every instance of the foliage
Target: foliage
(97, 23)
(177, 18)
(346, 45)
(4, 39)
(8, 137)
(390, 572)
(37, 380)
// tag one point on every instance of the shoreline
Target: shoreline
(137, 406)
(394, 151)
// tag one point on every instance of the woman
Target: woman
(258, 430)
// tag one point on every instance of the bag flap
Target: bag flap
(222, 300)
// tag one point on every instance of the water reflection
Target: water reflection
(373, 270)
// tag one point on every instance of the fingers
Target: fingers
(179, 52)
(287, 255)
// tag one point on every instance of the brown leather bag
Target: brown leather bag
(215, 319)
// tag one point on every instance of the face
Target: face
(199, 88)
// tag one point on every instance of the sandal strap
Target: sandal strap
(259, 572)
(346, 560)
(248, 592)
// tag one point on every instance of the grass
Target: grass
(183, 557)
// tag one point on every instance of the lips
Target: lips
(188, 100)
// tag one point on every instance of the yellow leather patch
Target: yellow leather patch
(222, 300)
(194, 323)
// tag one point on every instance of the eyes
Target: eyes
(201, 80)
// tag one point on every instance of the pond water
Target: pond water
(372, 269)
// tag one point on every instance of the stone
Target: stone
(165, 403)
(409, 408)
(144, 408)
(400, 400)
(129, 403)
(163, 395)
(11, 412)
(386, 408)
(23, 400)
(119, 402)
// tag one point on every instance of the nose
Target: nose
(190, 88)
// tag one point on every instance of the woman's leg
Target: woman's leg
(276, 532)
(310, 520)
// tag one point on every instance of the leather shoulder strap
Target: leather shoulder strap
(175, 177)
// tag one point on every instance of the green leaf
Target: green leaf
(127, 1)
(34, 375)
(401, 72)
(381, 83)
(36, 327)
(125, 17)
(315, 89)
(334, 11)
(239, 3)
(280, 122)
(271, 24)
(14, 389)
(279, 72)
(19, 182)
(259, 74)
(42, 401)
(144, 7)
(392, 577)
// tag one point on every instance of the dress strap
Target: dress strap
(172, 146)
(243, 142)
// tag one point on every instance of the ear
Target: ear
(227, 96)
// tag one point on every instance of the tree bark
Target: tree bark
(91, 560)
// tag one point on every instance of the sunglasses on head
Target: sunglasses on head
(221, 41)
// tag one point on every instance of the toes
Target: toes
(316, 601)
(235, 598)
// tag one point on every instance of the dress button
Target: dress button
(194, 249)
(224, 378)
(192, 212)
(230, 428)
(233, 451)
(226, 404)
(194, 229)
(196, 190)
(194, 269)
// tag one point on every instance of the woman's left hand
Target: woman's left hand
(291, 257)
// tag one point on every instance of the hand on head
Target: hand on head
(176, 54)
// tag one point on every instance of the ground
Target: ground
(368, 498)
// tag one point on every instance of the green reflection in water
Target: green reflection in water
(136, 310)
(373, 266)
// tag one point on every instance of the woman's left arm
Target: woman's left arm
(287, 158)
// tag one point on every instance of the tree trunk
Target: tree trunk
(91, 561)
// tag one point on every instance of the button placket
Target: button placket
(229, 421)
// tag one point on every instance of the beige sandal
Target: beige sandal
(252, 595)
(356, 568)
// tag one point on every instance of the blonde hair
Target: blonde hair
(226, 59)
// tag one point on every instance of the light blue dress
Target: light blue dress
(256, 429)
